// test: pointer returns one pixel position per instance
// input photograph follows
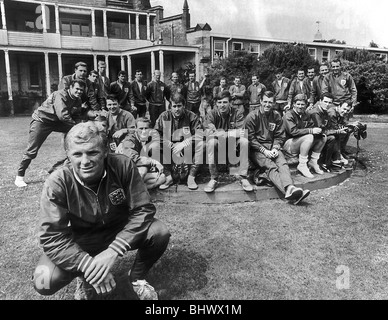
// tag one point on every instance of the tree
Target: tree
(373, 44)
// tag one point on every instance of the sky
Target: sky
(357, 22)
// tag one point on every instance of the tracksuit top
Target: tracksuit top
(239, 92)
(233, 120)
(264, 131)
(316, 90)
(296, 125)
(320, 119)
(156, 93)
(255, 92)
(281, 92)
(75, 220)
(61, 107)
(341, 87)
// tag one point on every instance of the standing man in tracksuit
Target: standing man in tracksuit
(157, 94)
(280, 86)
(341, 85)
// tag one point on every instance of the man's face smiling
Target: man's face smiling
(336, 68)
(323, 70)
(76, 90)
(174, 78)
(325, 103)
(223, 105)
(300, 107)
(87, 159)
(300, 75)
(310, 74)
(267, 104)
(113, 106)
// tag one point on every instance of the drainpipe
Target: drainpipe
(227, 46)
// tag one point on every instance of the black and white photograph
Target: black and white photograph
(200, 152)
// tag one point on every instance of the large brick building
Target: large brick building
(40, 41)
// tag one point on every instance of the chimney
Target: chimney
(186, 16)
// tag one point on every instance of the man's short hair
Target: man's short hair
(279, 70)
(327, 95)
(224, 94)
(101, 62)
(177, 98)
(80, 64)
(80, 82)
(268, 94)
(143, 119)
(311, 67)
(222, 78)
(300, 69)
(122, 72)
(112, 97)
(336, 60)
(83, 132)
(138, 71)
(300, 97)
(93, 72)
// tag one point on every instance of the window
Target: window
(219, 49)
(325, 55)
(338, 52)
(75, 28)
(313, 53)
(382, 56)
(255, 48)
(118, 30)
(29, 26)
(237, 46)
(34, 75)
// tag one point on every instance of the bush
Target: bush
(376, 75)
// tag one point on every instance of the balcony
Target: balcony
(126, 44)
(73, 42)
(25, 39)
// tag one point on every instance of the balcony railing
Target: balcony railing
(27, 39)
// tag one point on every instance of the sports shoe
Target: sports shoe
(304, 170)
(169, 182)
(191, 184)
(315, 167)
(325, 167)
(305, 194)
(293, 193)
(84, 290)
(336, 166)
(19, 182)
(344, 160)
(246, 185)
(211, 186)
(144, 290)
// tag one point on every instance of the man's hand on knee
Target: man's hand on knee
(100, 266)
(106, 286)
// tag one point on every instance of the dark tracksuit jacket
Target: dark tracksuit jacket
(76, 222)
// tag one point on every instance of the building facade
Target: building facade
(40, 41)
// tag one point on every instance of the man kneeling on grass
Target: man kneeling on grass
(93, 210)
(266, 137)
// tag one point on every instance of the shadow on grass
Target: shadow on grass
(176, 273)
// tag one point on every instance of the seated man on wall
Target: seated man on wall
(138, 146)
(95, 209)
(224, 127)
(303, 137)
(181, 133)
(340, 126)
(119, 123)
(266, 137)
(331, 156)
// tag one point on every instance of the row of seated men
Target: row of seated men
(264, 138)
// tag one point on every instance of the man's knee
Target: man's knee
(49, 278)
(158, 230)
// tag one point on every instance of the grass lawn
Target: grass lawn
(259, 250)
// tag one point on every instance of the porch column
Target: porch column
(57, 19)
(107, 66)
(129, 65)
(129, 27)
(105, 24)
(95, 63)
(44, 21)
(8, 76)
(47, 71)
(197, 65)
(137, 27)
(123, 65)
(161, 64)
(92, 12)
(3, 20)
(152, 62)
(148, 27)
(60, 72)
